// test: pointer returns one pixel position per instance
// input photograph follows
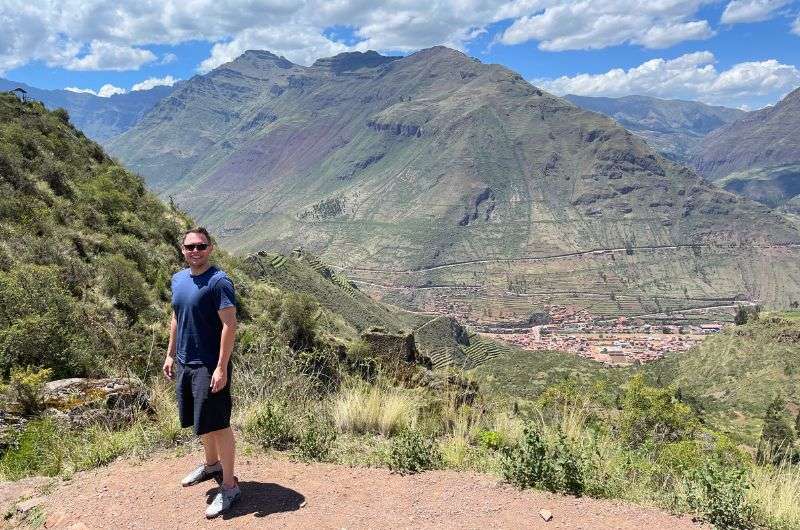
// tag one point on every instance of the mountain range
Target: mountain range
(671, 126)
(758, 155)
(439, 182)
(100, 118)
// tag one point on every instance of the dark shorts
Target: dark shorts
(206, 411)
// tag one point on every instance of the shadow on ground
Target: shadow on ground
(262, 499)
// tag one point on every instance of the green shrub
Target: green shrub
(411, 452)
(36, 450)
(271, 427)
(62, 115)
(297, 323)
(125, 284)
(38, 322)
(532, 464)
(315, 441)
(492, 440)
(25, 388)
(718, 493)
(654, 415)
(777, 437)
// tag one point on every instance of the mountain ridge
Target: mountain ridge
(437, 158)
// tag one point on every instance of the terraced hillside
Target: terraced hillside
(440, 339)
(439, 183)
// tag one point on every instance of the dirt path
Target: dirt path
(575, 254)
(282, 494)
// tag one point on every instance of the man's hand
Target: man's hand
(169, 367)
(218, 379)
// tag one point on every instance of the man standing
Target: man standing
(201, 339)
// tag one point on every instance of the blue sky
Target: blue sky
(743, 53)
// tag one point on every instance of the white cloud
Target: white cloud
(690, 76)
(106, 91)
(80, 90)
(108, 56)
(738, 11)
(147, 84)
(116, 34)
(594, 24)
(168, 58)
(298, 44)
(796, 26)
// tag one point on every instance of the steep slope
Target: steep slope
(86, 252)
(442, 183)
(761, 151)
(99, 118)
(672, 127)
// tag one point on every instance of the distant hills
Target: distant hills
(672, 127)
(99, 118)
(758, 156)
(436, 181)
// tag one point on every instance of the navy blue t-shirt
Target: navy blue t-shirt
(196, 300)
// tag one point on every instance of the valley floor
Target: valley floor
(283, 494)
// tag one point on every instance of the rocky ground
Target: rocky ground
(282, 494)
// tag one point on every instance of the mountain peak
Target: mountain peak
(349, 61)
(262, 57)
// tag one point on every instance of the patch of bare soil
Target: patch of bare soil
(277, 493)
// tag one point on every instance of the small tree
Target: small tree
(777, 436)
(745, 314)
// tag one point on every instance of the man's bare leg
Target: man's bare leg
(210, 448)
(226, 449)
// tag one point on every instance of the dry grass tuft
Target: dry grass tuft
(375, 409)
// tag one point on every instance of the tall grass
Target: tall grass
(775, 493)
(360, 408)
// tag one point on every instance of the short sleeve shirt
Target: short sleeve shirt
(196, 301)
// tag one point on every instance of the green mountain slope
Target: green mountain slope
(775, 186)
(86, 253)
(670, 126)
(438, 182)
(734, 376)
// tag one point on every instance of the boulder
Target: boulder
(79, 401)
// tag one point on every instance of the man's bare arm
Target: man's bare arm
(220, 377)
(169, 362)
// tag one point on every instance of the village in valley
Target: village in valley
(622, 341)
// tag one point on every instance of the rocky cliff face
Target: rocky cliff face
(470, 181)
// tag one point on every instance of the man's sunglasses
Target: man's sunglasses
(197, 246)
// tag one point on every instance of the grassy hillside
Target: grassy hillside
(732, 377)
(86, 256)
(774, 186)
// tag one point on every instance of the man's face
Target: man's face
(194, 256)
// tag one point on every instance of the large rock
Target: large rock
(81, 401)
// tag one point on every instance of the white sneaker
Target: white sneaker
(223, 500)
(203, 473)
